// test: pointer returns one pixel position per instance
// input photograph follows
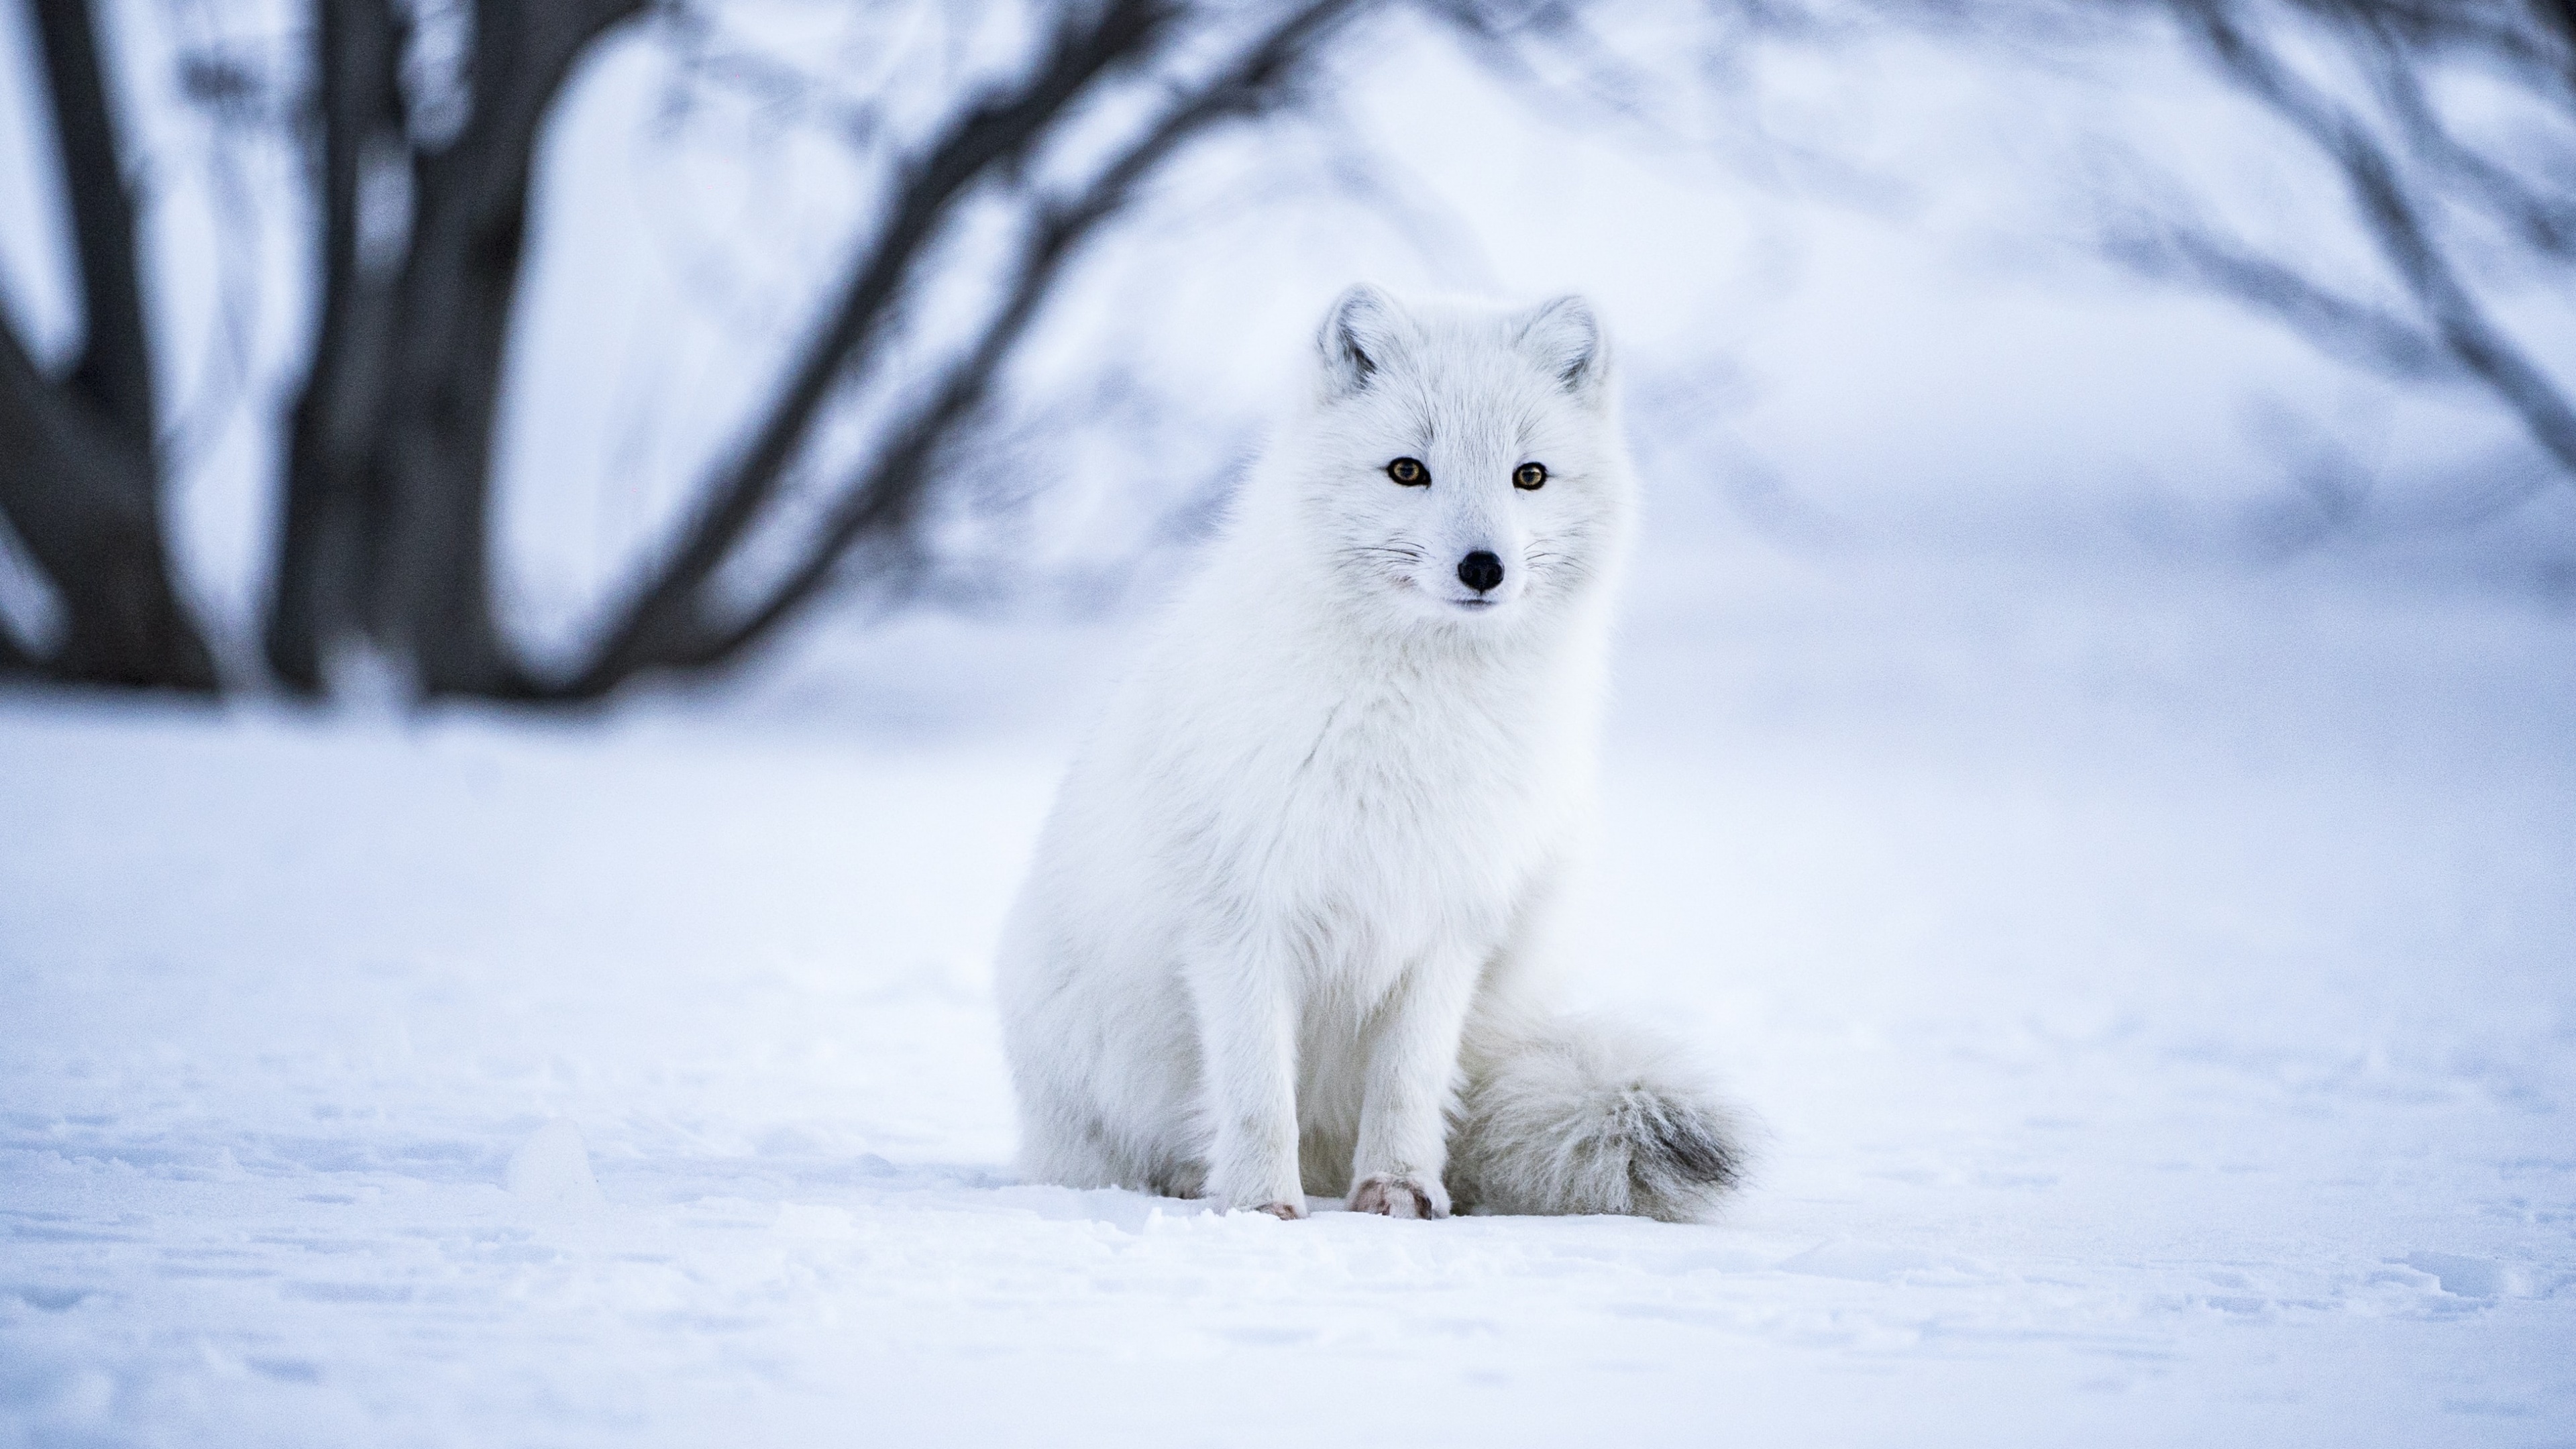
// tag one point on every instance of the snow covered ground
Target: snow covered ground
(2160, 994)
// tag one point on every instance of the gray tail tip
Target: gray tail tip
(1696, 1150)
(1684, 1143)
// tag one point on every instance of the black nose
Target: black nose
(1480, 571)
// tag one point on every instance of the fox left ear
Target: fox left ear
(1564, 337)
(1358, 338)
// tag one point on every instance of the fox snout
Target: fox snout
(1481, 571)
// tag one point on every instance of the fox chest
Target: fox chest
(1386, 832)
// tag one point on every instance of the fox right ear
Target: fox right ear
(1564, 337)
(1358, 338)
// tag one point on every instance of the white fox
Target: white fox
(1280, 933)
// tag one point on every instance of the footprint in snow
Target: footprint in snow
(2466, 1277)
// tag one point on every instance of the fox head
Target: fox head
(1462, 467)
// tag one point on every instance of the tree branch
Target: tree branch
(2545, 224)
(662, 622)
(2331, 321)
(887, 494)
(2390, 213)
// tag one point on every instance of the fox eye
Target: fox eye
(1409, 472)
(1529, 475)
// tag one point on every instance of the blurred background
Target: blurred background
(552, 552)
(397, 350)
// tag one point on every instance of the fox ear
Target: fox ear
(1359, 337)
(1564, 337)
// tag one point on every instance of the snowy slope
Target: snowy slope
(2158, 997)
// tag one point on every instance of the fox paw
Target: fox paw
(1400, 1196)
(1286, 1212)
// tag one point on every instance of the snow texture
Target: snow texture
(2157, 997)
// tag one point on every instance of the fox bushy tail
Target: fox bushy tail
(1579, 1115)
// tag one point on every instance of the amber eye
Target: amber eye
(1529, 475)
(1409, 472)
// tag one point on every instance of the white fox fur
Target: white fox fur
(1280, 933)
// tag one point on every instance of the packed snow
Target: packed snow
(2155, 988)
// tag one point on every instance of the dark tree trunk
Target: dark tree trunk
(14, 660)
(386, 525)
(79, 476)
(81, 496)
(114, 372)
(324, 554)
(466, 254)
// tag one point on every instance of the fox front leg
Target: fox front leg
(1412, 1068)
(1248, 1056)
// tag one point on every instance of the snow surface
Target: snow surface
(2157, 993)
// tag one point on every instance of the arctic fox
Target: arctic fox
(1280, 934)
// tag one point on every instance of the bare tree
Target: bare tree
(674, 619)
(384, 529)
(2371, 87)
